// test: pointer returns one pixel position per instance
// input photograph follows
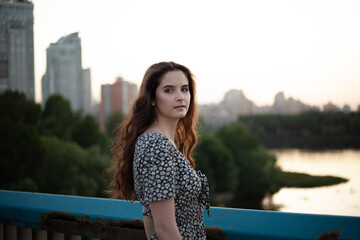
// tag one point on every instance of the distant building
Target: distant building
(279, 103)
(330, 107)
(289, 106)
(214, 115)
(86, 93)
(346, 108)
(65, 75)
(116, 97)
(17, 47)
(236, 104)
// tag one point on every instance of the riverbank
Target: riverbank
(282, 179)
(337, 199)
(304, 180)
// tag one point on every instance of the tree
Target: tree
(30, 162)
(58, 119)
(113, 121)
(87, 132)
(256, 172)
(235, 137)
(217, 163)
(19, 141)
(19, 153)
(255, 166)
(15, 107)
(68, 169)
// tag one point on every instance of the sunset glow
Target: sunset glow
(308, 49)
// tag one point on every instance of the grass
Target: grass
(303, 180)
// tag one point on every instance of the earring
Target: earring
(153, 104)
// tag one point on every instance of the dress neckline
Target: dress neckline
(161, 134)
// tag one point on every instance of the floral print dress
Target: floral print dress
(161, 172)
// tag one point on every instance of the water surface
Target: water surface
(340, 199)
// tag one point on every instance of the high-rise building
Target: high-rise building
(279, 103)
(86, 93)
(17, 47)
(237, 103)
(330, 107)
(116, 97)
(65, 75)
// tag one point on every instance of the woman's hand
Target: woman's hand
(163, 213)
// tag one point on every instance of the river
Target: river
(340, 199)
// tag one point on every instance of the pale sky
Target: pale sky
(310, 49)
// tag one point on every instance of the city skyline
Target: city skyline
(17, 48)
(309, 50)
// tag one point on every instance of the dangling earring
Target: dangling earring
(153, 104)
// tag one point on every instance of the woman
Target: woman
(154, 155)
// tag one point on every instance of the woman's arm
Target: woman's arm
(148, 225)
(163, 213)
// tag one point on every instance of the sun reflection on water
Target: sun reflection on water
(340, 199)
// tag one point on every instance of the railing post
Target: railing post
(41, 235)
(26, 234)
(11, 232)
(58, 236)
(1, 232)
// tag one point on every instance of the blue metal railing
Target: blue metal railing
(118, 219)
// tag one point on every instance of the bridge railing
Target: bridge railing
(28, 216)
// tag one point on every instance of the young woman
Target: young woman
(154, 155)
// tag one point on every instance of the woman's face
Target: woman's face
(172, 96)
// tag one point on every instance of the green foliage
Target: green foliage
(217, 163)
(312, 130)
(255, 166)
(87, 132)
(112, 122)
(235, 138)
(19, 140)
(234, 160)
(57, 119)
(51, 163)
(96, 164)
(20, 151)
(69, 169)
(256, 171)
(293, 179)
(15, 107)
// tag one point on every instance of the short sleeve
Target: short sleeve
(157, 172)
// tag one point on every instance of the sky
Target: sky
(309, 49)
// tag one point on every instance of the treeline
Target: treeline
(56, 150)
(53, 150)
(235, 162)
(310, 130)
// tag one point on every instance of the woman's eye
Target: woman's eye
(185, 89)
(168, 90)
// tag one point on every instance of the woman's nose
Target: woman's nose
(179, 97)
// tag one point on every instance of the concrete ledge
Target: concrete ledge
(115, 219)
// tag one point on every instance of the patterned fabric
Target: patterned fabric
(162, 172)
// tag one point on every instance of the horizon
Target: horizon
(308, 50)
(287, 97)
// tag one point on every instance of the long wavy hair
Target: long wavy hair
(140, 118)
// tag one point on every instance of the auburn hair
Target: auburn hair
(141, 116)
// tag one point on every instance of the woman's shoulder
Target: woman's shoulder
(152, 146)
(153, 139)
